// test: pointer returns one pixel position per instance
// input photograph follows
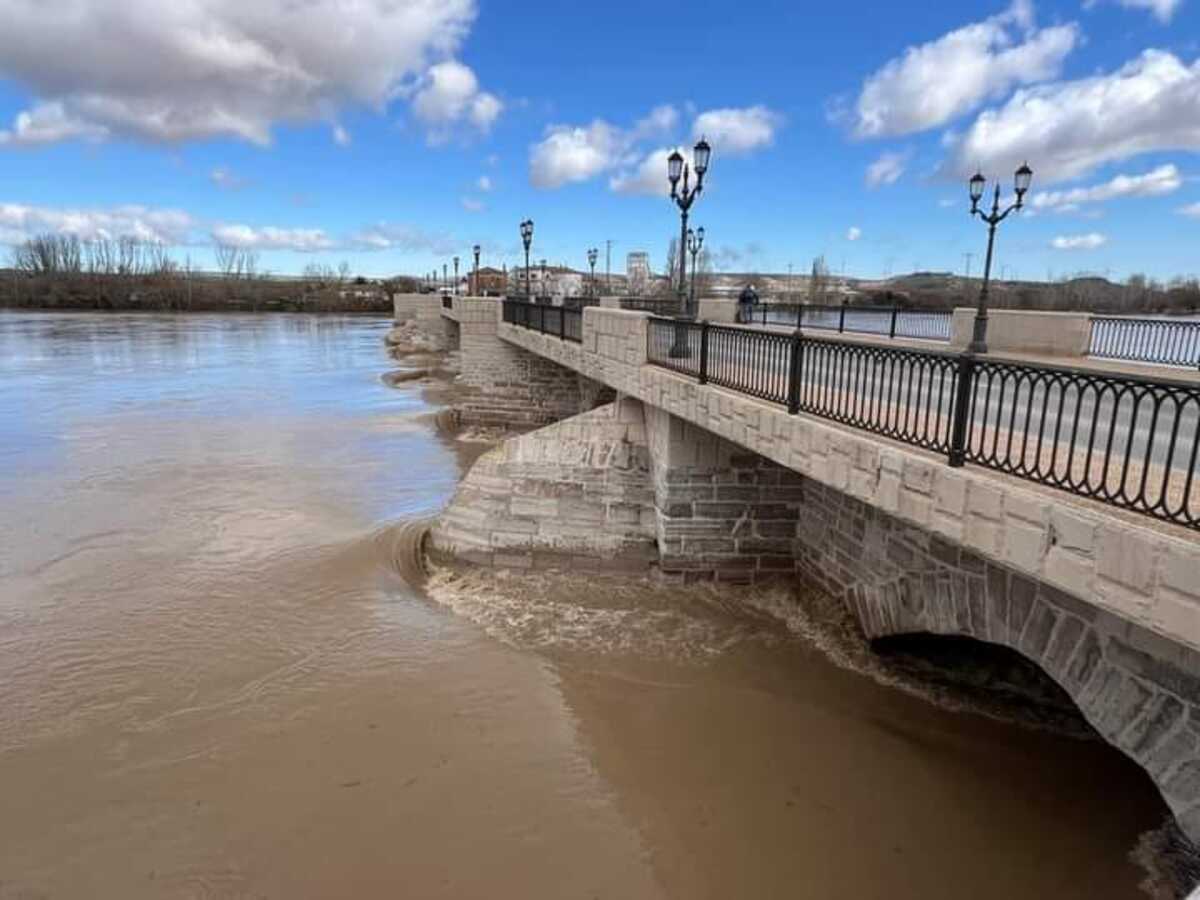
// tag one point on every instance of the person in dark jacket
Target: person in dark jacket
(747, 300)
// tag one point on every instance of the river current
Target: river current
(217, 682)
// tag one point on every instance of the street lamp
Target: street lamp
(593, 255)
(455, 291)
(695, 240)
(1021, 179)
(527, 239)
(475, 250)
(445, 279)
(684, 198)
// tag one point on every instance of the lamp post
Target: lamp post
(542, 283)
(695, 240)
(475, 250)
(527, 239)
(445, 278)
(684, 197)
(593, 255)
(1021, 179)
(455, 290)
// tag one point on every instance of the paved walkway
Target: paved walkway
(1179, 374)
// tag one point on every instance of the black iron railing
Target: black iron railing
(922, 324)
(1130, 442)
(662, 306)
(563, 323)
(1171, 342)
(580, 302)
(447, 302)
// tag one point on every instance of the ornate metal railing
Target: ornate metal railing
(1127, 441)
(922, 324)
(580, 302)
(662, 306)
(1171, 342)
(563, 323)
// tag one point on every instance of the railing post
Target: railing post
(842, 318)
(704, 352)
(895, 310)
(795, 360)
(960, 420)
(562, 323)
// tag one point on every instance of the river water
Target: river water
(215, 682)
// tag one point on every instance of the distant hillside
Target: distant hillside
(943, 290)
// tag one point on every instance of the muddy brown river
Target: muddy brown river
(215, 681)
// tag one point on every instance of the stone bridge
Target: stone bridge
(702, 483)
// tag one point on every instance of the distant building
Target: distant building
(488, 282)
(551, 281)
(637, 272)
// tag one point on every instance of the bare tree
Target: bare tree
(343, 272)
(227, 257)
(673, 264)
(704, 273)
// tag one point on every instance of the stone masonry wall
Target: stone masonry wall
(722, 514)
(1118, 561)
(575, 493)
(505, 385)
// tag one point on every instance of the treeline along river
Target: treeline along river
(220, 678)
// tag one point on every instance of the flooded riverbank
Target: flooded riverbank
(217, 681)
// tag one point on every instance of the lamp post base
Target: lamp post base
(680, 349)
(978, 343)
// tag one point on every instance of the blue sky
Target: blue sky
(395, 133)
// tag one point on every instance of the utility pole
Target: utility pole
(968, 257)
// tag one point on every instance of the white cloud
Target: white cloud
(166, 226)
(661, 121)
(887, 169)
(648, 178)
(226, 179)
(853, 233)
(303, 240)
(49, 123)
(196, 69)
(572, 154)
(1162, 180)
(933, 83)
(1192, 209)
(1068, 129)
(472, 205)
(404, 238)
(449, 96)
(1163, 10)
(1079, 241)
(737, 130)
(341, 136)
(484, 183)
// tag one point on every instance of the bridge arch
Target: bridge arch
(1131, 688)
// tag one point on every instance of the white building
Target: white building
(637, 272)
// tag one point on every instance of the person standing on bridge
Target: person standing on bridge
(747, 300)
